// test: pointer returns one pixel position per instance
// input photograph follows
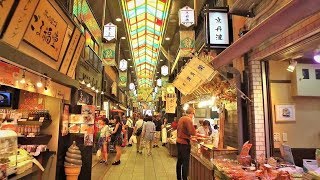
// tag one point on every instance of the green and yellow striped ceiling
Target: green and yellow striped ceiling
(145, 21)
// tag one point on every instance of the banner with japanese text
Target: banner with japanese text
(123, 78)
(46, 30)
(171, 103)
(187, 43)
(109, 54)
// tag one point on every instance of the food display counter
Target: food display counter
(202, 156)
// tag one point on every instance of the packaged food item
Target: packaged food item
(245, 149)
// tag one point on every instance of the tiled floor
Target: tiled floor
(159, 166)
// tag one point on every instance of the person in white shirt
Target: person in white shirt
(137, 128)
(129, 126)
(103, 139)
(205, 129)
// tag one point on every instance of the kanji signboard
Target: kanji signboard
(219, 34)
(110, 31)
(186, 16)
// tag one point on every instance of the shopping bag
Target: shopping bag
(98, 154)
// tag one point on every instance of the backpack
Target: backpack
(139, 130)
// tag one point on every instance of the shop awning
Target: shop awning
(289, 15)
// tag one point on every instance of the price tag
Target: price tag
(30, 118)
(22, 120)
(41, 119)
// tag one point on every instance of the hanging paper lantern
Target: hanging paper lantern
(164, 70)
(131, 86)
(123, 65)
(159, 83)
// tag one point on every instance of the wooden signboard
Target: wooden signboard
(70, 51)
(8, 73)
(76, 56)
(19, 22)
(46, 30)
(5, 7)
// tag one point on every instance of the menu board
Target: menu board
(84, 122)
(46, 30)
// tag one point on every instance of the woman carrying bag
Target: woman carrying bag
(103, 140)
(116, 138)
(138, 131)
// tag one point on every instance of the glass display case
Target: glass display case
(8, 150)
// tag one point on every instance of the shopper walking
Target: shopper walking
(148, 133)
(184, 130)
(103, 139)
(129, 126)
(164, 132)
(157, 135)
(138, 132)
(117, 139)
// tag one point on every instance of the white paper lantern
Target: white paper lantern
(131, 86)
(164, 70)
(159, 82)
(123, 65)
(156, 89)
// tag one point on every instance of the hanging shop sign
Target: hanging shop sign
(186, 16)
(164, 70)
(65, 120)
(5, 7)
(109, 54)
(88, 75)
(70, 50)
(123, 77)
(114, 89)
(131, 86)
(110, 31)
(219, 33)
(46, 30)
(159, 82)
(123, 65)
(19, 21)
(187, 43)
(84, 98)
(194, 73)
(76, 57)
(171, 103)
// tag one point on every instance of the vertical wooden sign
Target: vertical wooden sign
(76, 56)
(70, 51)
(19, 22)
(5, 7)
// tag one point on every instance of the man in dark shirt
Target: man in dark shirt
(185, 130)
(158, 124)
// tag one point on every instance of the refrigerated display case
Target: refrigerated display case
(8, 150)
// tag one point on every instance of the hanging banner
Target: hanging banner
(194, 73)
(171, 104)
(76, 56)
(123, 77)
(205, 71)
(19, 22)
(46, 30)
(5, 7)
(187, 43)
(114, 89)
(164, 81)
(186, 16)
(109, 54)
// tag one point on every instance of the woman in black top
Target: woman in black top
(117, 139)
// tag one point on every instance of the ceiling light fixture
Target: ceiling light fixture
(316, 57)
(23, 79)
(118, 19)
(39, 84)
(123, 37)
(88, 85)
(292, 65)
(102, 92)
(167, 38)
(161, 60)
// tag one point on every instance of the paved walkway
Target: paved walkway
(159, 166)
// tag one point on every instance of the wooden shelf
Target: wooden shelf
(41, 139)
(37, 123)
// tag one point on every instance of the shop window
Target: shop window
(305, 73)
(317, 72)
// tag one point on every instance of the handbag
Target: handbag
(139, 130)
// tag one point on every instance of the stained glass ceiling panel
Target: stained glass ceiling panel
(145, 22)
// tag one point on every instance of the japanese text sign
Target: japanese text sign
(186, 16)
(218, 26)
(46, 30)
(110, 31)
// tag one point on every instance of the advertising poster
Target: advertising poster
(65, 120)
